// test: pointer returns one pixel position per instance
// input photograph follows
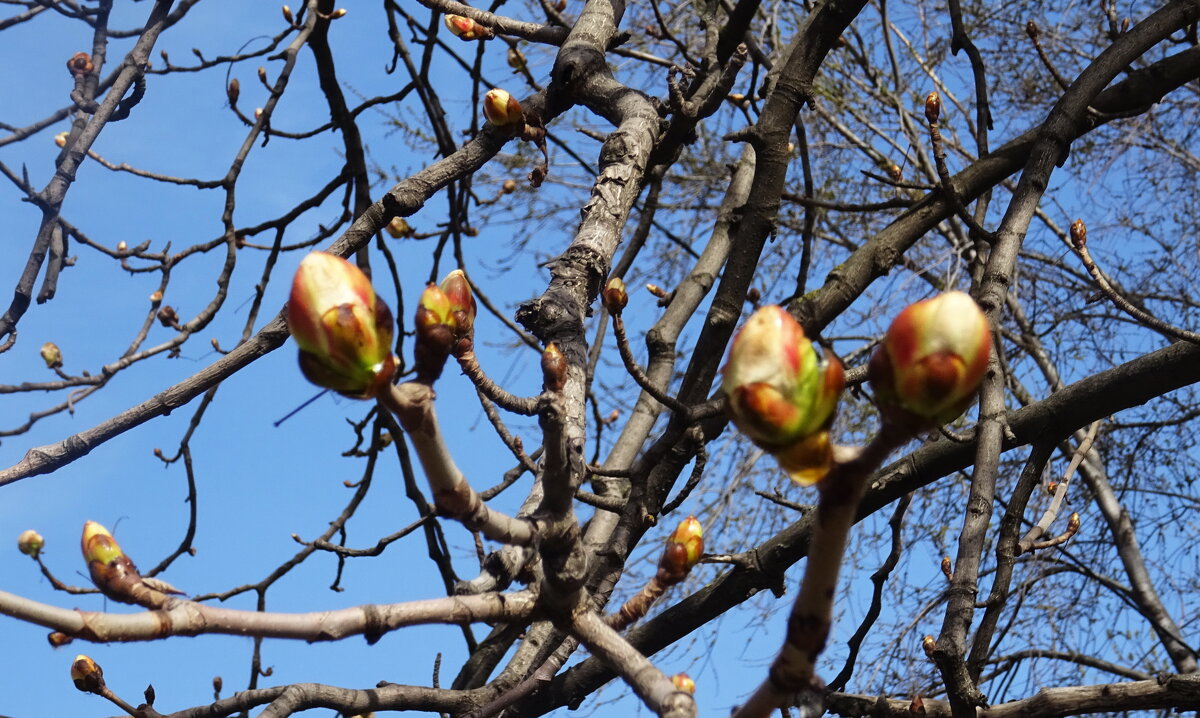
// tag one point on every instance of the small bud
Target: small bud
(167, 316)
(339, 13)
(121, 246)
(753, 296)
(928, 644)
(1052, 488)
(343, 329)
(156, 296)
(554, 368)
(736, 98)
(614, 296)
(262, 74)
(1073, 523)
(52, 355)
(58, 639)
(398, 228)
(217, 684)
(516, 59)
(947, 568)
(781, 394)
(1032, 30)
(684, 683)
(1078, 234)
(895, 172)
(80, 64)
(656, 290)
(560, 5)
(61, 139)
(933, 108)
(258, 111)
(465, 28)
(87, 675)
(233, 91)
(502, 110)
(931, 360)
(684, 548)
(470, 231)
(30, 543)
(287, 15)
(1125, 25)
(509, 186)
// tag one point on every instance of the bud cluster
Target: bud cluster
(445, 324)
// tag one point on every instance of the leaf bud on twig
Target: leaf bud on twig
(947, 568)
(554, 368)
(1073, 523)
(933, 107)
(287, 15)
(466, 28)
(58, 639)
(502, 110)
(61, 139)
(1078, 234)
(87, 675)
(614, 296)
(52, 355)
(684, 683)
(80, 64)
(1032, 30)
(399, 228)
(30, 543)
(233, 91)
(929, 645)
(516, 59)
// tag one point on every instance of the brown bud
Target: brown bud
(471, 231)
(262, 74)
(80, 64)
(167, 316)
(509, 186)
(1052, 487)
(947, 568)
(928, 644)
(1032, 30)
(156, 296)
(1073, 523)
(1125, 25)
(614, 296)
(287, 15)
(560, 5)
(753, 295)
(895, 173)
(58, 639)
(52, 355)
(554, 368)
(87, 675)
(1078, 234)
(933, 107)
(233, 91)
(516, 59)
(399, 228)
(217, 683)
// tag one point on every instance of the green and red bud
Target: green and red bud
(502, 110)
(931, 360)
(684, 683)
(87, 674)
(614, 296)
(684, 548)
(30, 543)
(437, 332)
(554, 368)
(782, 394)
(462, 302)
(465, 28)
(343, 329)
(933, 107)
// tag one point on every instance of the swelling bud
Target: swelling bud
(782, 394)
(465, 28)
(30, 543)
(931, 360)
(502, 110)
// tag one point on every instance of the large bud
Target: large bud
(462, 307)
(502, 110)
(437, 332)
(684, 548)
(931, 361)
(782, 393)
(87, 675)
(465, 28)
(344, 331)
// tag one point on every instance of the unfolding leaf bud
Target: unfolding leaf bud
(58, 639)
(931, 360)
(467, 29)
(614, 296)
(436, 330)
(30, 543)
(516, 59)
(98, 544)
(343, 329)
(933, 107)
(684, 683)
(61, 139)
(87, 675)
(287, 15)
(929, 645)
(1073, 523)
(554, 368)
(52, 355)
(509, 186)
(399, 228)
(1078, 234)
(80, 64)
(656, 290)
(684, 548)
(502, 110)
(1032, 30)
(782, 394)
(462, 303)
(233, 91)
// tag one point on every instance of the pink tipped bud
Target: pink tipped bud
(30, 543)
(465, 28)
(781, 394)
(932, 360)
(343, 330)
(52, 355)
(462, 303)
(554, 368)
(614, 296)
(502, 109)
(87, 675)
(684, 683)
(933, 107)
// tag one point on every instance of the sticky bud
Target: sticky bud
(684, 683)
(30, 543)
(554, 368)
(52, 355)
(58, 639)
(614, 296)
(509, 186)
(502, 110)
(61, 139)
(928, 644)
(947, 568)
(1078, 234)
(233, 91)
(929, 365)
(287, 15)
(895, 172)
(933, 107)
(462, 308)
(1052, 487)
(167, 316)
(87, 675)
(80, 64)
(1073, 523)
(684, 548)
(465, 28)
(782, 393)
(753, 295)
